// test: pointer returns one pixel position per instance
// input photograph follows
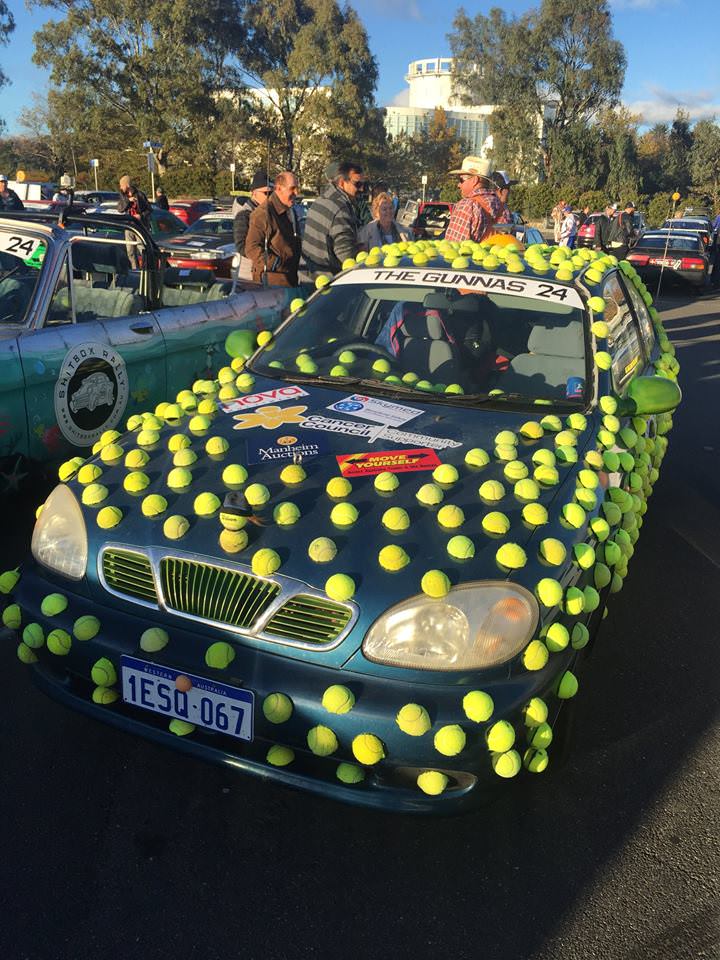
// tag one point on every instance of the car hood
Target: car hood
(265, 436)
(195, 242)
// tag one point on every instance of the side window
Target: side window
(164, 224)
(643, 317)
(624, 337)
(103, 284)
(60, 310)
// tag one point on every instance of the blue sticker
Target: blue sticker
(296, 445)
(574, 388)
(347, 406)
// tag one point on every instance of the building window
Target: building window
(418, 68)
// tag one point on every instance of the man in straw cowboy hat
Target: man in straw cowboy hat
(474, 216)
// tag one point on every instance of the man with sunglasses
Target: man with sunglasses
(474, 216)
(331, 229)
(260, 189)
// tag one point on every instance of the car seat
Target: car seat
(554, 354)
(422, 343)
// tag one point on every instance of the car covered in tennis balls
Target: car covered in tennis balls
(369, 557)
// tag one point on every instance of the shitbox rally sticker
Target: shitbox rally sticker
(260, 399)
(296, 446)
(394, 461)
(91, 392)
(379, 411)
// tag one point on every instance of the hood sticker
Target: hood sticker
(296, 446)
(372, 408)
(269, 418)
(261, 399)
(393, 461)
(371, 433)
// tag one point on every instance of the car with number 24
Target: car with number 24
(369, 557)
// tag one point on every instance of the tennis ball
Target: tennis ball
(291, 474)
(500, 737)
(234, 475)
(430, 494)
(535, 761)
(110, 454)
(198, 425)
(535, 655)
(338, 699)
(413, 720)
(574, 601)
(435, 584)
(33, 636)
(506, 765)
(347, 357)
(88, 473)
(603, 360)
(286, 514)
(532, 430)
(461, 548)
(546, 474)
(535, 514)
(396, 519)
(265, 562)
(233, 541)
(568, 686)
(103, 696)
(580, 636)
(612, 512)
(219, 655)
(536, 712)
(153, 639)
(349, 773)
(393, 558)
(67, 470)
(505, 436)
(175, 527)
(280, 756)
(147, 438)
(206, 504)
(344, 514)
(511, 556)
(153, 505)
(445, 473)
(551, 422)
(176, 443)
(552, 551)
(608, 404)
(215, 446)
(584, 555)
(338, 487)
(593, 458)
(136, 481)
(322, 550)
(59, 642)
(574, 515)
(85, 628)
(381, 366)
(322, 741)
(12, 617)
(53, 604)
(136, 459)
(478, 706)
(25, 654)
(432, 782)
(544, 457)
(477, 457)
(556, 637)
(103, 672)
(340, 587)
(277, 707)
(181, 728)
(506, 452)
(526, 489)
(368, 749)
(109, 517)
(492, 490)
(386, 482)
(450, 516)
(450, 740)
(257, 494)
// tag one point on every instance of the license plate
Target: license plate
(207, 703)
(665, 262)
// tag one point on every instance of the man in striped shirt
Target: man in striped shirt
(474, 216)
(331, 228)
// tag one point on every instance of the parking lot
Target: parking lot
(114, 847)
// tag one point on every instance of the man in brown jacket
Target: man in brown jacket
(273, 239)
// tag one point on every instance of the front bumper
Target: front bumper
(390, 784)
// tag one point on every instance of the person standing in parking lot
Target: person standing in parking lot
(503, 183)
(133, 202)
(260, 189)
(608, 234)
(568, 227)
(474, 216)
(382, 228)
(331, 230)
(627, 225)
(273, 238)
(9, 200)
(161, 199)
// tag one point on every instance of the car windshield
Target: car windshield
(672, 242)
(436, 217)
(212, 226)
(420, 336)
(21, 259)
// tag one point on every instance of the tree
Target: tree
(7, 25)
(652, 150)
(618, 129)
(680, 141)
(431, 152)
(705, 160)
(557, 65)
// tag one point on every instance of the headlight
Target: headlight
(59, 540)
(477, 625)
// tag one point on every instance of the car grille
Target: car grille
(309, 619)
(130, 574)
(214, 593)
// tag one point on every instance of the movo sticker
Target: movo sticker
(91, 392)
(395, 461)
(269, 418)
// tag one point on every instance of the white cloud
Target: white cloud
(641, 4)
(404, 9)
(401, 99)
(660, 105)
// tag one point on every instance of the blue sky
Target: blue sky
(671, 46)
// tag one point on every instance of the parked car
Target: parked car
(163, 224)
(85, 341)
(376, 573)
(428, 219)
(207, 245)
(95, 197)
(586, 233)
(678, 256)
(700, 226)
(189, 210)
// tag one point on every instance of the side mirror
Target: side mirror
(648, 395)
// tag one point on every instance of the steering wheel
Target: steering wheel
(368, 348)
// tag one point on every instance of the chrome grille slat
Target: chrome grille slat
(129, 574)
(309, 619)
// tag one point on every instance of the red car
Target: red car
(191, 210)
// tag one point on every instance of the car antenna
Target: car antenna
(675, 198)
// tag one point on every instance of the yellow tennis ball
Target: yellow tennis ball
(215, 446)
(432, 782)
(147, 438)
(527, 489)
(344, 514)
(245, 382)
(93, 494)
(153, 505)
(292, 473)
(536, 712)
(477, 457)
(368, 749)
(430, 494)
(103, 696)
(478, 706)
(435, 584)
(461, 548)
(506, 764)
(350, 773)
(393, 558)
(286, 514)
(103, 672)
(175, 527)
(413, 720)
(511, 556)
(340, 587)
(568, 686)
(154, 639)
(500, 737)
(233, 541)
(88, 473)
(184, 458)
(556, 637)
(322, 550)
(338, 699)
(396, 519)
(67, 470)
(86, 627)
(177, 442)
(322, 741)
(59, 642)
(112, 453)
(574, 601)
(136, 459)
(181, 728)
(265, 562)
(280, 756)
(277, 707)
(450, 516)
(535, 655)
(219, 655)
(136, 481)
(109, 517)
(386, 482)
(199, 424)
(25, 654)
(338, 487)
(206, 504)
(33, 636)
(552, 551)
(232, 521)
(257, 494)
(53, 604)
(492, 490)
(535, 514)
(445, 473)
(450, 740)
(12, 617)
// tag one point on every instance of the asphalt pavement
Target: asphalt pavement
(115, 848)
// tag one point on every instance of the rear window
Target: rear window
(685, 225)
(673, 243)
(623, 338)
(436, 217)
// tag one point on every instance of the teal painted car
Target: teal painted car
(368, 557)
(85, 340)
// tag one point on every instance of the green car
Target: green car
(86, 340)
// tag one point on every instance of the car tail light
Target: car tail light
(638, 259)
(692, 263)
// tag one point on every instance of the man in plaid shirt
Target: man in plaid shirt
(474, 216)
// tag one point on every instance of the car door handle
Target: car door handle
(142, 326)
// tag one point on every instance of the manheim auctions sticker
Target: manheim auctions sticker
(379, 411)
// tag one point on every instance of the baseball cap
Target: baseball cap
(567, 208)
(502, 179)
(629, 204)
(3, 177)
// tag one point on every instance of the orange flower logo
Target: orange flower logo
(269, 418)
